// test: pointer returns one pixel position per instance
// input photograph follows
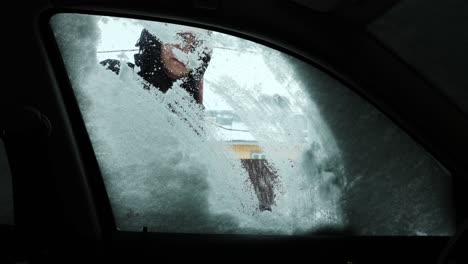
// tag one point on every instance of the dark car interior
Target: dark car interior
(408, 58)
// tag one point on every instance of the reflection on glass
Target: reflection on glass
(6, 189)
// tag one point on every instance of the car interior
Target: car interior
(405, 60)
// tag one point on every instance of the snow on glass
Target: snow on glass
(169, 164)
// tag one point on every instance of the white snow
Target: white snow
(166, 167)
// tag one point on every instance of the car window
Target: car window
(197, 131)
(6, 189)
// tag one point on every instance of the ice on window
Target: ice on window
(240, 146)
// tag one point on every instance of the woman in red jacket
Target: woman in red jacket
(161, 64)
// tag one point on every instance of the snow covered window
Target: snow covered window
(197, 131)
